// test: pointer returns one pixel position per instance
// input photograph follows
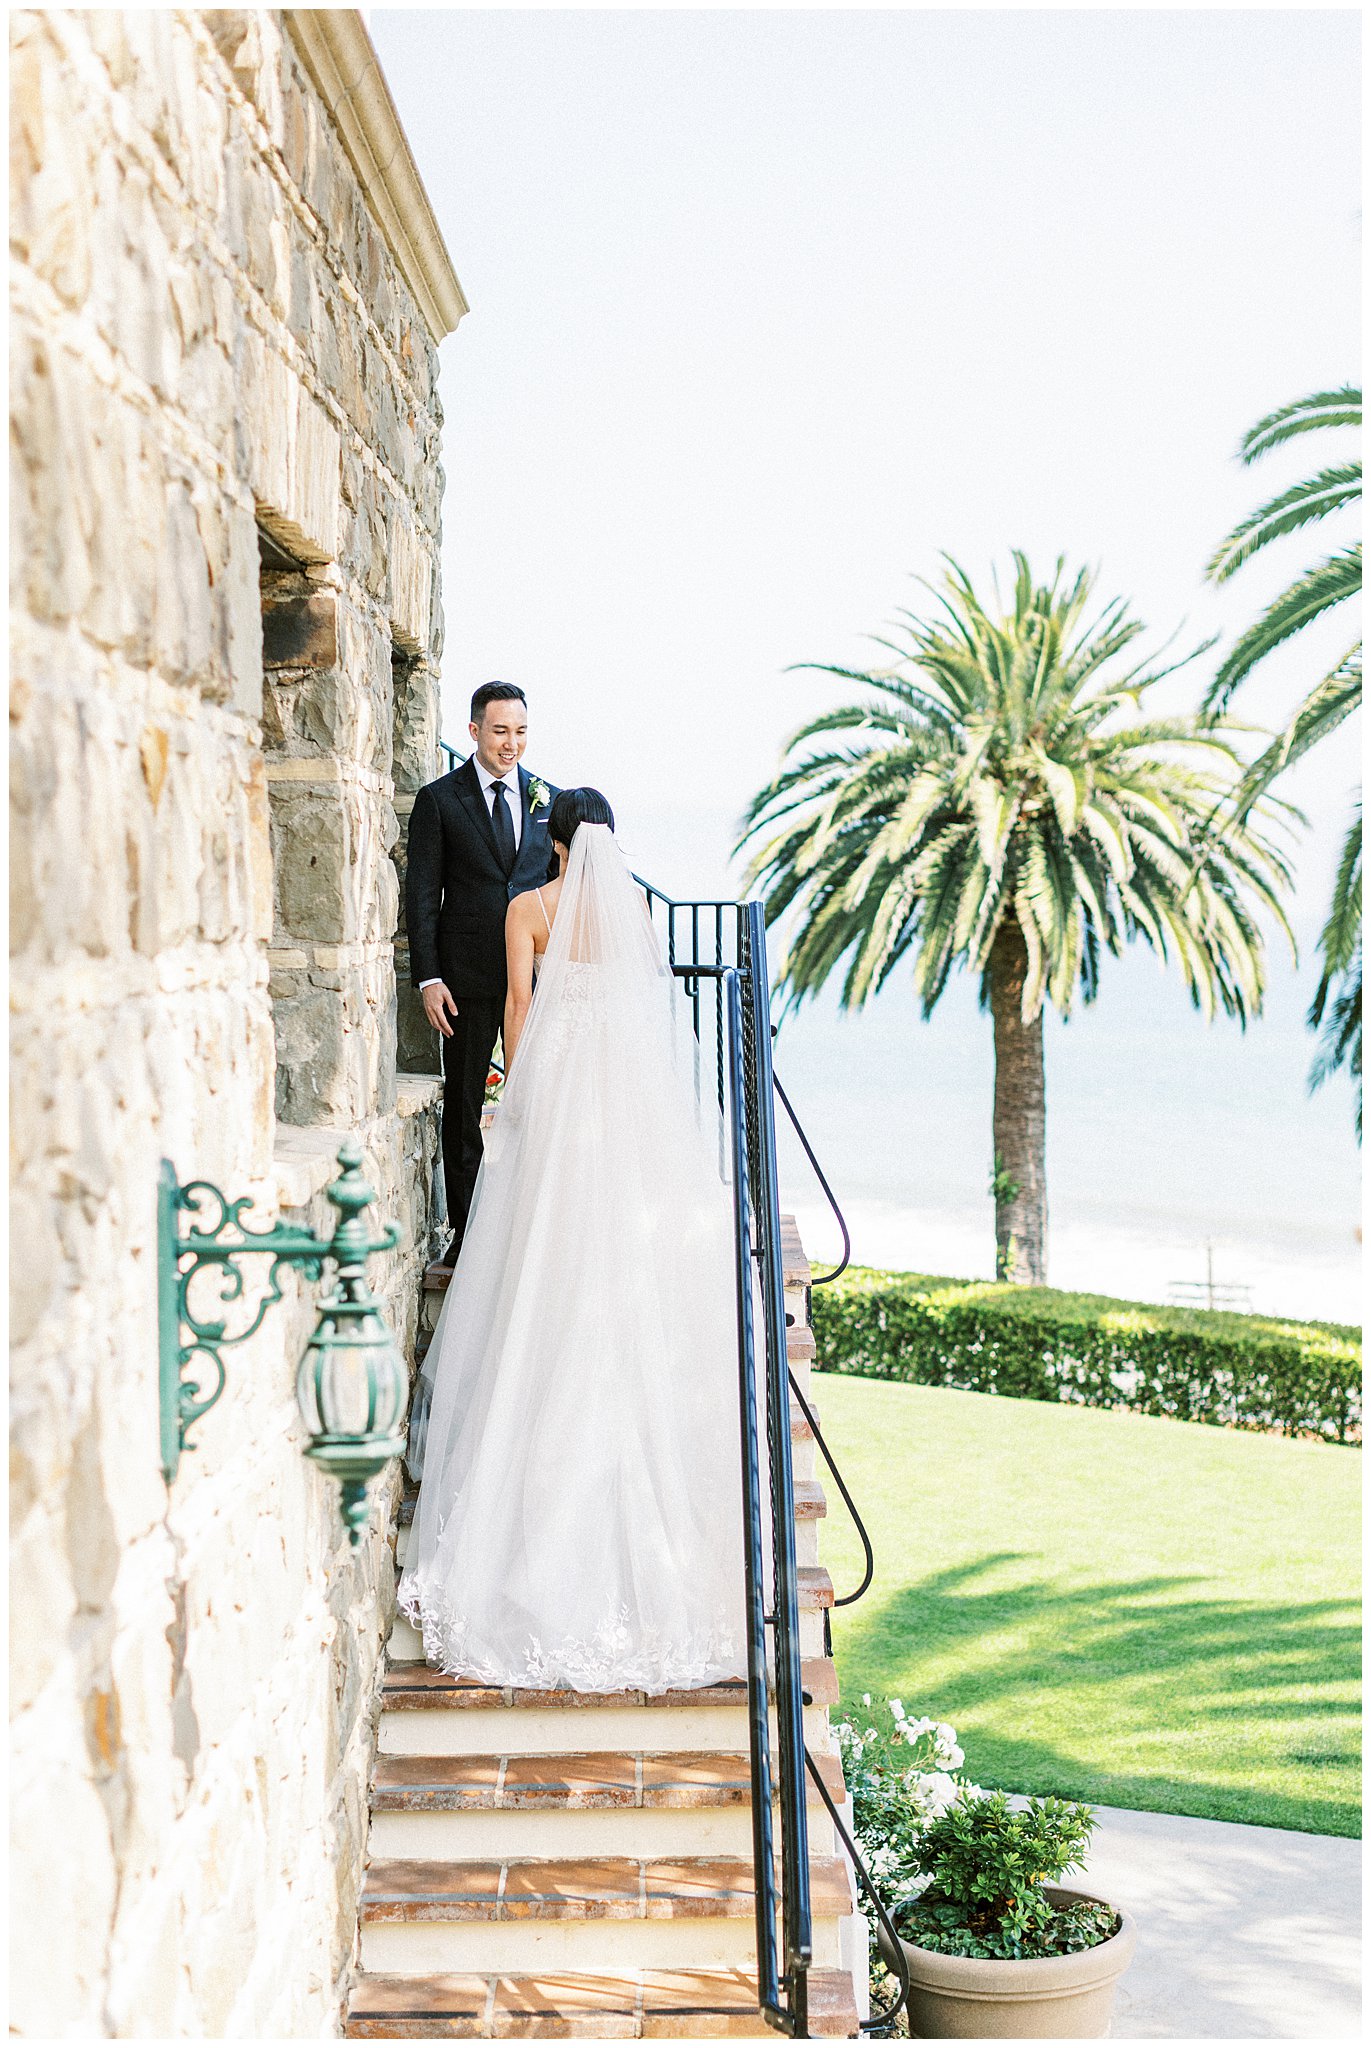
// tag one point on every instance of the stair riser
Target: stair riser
(596, 1831)
(584, 2027)
(420, 1948)
(598, 2027)
(561, 1731)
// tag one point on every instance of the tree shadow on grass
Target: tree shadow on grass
(1015, 1651)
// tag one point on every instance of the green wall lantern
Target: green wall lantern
(352, 1385)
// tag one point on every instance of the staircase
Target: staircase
(557, 1863)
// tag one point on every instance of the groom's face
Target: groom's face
(502, 734)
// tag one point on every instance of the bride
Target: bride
(576, 1420)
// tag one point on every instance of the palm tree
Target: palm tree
(998, 801)
(1330, 583)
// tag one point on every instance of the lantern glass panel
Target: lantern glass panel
(352, 1380)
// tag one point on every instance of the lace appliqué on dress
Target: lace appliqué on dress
(617, 1657)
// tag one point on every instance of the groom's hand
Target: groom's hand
(437, 1003)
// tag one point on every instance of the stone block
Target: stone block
(300, 630)
(59, 1929)
(311, 1067)
(241, 611)
(313, 858)
(52, 210)
(289, 450)
(52, 480)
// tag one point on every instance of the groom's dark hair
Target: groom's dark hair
(494, 693)
(570, 808)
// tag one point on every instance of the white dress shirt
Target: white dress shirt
(513, 804)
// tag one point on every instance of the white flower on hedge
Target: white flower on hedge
(897, 1709)
(866, 1699)
(938, 1790)
(947, 1735)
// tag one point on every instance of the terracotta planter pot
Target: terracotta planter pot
(962, 1998)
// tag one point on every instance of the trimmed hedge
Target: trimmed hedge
(1198, 1365)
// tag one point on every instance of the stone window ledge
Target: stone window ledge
(305, 1158)
(414, 1093)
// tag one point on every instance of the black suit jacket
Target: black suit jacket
(457, 891)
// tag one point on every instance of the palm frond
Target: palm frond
(1322, 712)
(1330, 582)
(1314, 497)
(1339, 408)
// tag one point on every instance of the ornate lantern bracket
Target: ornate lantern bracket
(349, 1326)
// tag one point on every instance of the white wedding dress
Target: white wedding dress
(576, 1422)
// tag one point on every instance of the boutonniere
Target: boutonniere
(538, 794)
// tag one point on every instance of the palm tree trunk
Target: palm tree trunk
(1020, 1125)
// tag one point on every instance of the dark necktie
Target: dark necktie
(504, 825)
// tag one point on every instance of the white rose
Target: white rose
(942, 1791)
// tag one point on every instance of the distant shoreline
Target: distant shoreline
(1096, 1259)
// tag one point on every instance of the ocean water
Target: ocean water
(1171, 1142)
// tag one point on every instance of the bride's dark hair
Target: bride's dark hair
(570, 808)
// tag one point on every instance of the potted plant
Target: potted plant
(996, 1947)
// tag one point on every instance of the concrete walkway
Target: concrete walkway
(1243, 1933)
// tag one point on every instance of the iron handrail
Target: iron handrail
(817, 1279)
(795, 1901)
(756, 1201)
(896, 1946)
(841, 1484)
(759, 1719)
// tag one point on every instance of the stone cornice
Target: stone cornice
(338, 55)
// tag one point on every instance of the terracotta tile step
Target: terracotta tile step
(454, 1784)
(583, 1888)
(810, 1503)
(635, 2006)
(416, 1685)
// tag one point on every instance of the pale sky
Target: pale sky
(770, 307)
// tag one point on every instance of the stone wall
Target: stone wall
(210, 339)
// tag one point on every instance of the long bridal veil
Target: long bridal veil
(576, 1425)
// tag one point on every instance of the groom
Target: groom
(477, 838)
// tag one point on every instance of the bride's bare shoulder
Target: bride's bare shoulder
(532, 905)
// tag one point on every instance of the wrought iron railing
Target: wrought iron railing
(724, 949)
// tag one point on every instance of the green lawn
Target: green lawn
(1110, 1606)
